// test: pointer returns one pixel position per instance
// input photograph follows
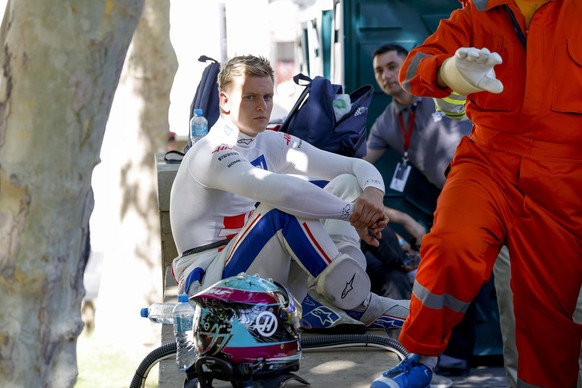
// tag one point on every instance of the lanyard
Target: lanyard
(516, 27)
(407, 133)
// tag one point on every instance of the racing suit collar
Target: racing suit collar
(245, 141)
(234, 135)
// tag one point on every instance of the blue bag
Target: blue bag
(206, 97)
(312, 117)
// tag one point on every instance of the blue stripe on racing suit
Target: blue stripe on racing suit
(302, 245)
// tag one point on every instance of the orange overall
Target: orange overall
(517, 181)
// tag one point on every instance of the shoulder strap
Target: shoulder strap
(173, 156)
(301, 80)
(206, 96)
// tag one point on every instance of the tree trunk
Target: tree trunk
(61, 63)
(125, 226)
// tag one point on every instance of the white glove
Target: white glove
(470, 70)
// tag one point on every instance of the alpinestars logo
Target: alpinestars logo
(349, 286)
(385, 322)
(361, 111)
(325, 317)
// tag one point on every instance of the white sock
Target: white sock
(429, 361)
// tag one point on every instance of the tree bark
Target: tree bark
(126, 219)
(61, 63)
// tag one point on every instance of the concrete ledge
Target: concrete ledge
(166, 173)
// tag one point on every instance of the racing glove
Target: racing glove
(470, 70)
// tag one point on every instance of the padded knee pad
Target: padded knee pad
(355, 253)
(344, 283)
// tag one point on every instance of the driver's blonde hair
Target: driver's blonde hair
(249, 65)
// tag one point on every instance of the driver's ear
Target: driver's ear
(224, 101)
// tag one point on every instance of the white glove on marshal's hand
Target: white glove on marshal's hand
(470, 70)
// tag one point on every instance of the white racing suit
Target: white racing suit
(220, 233)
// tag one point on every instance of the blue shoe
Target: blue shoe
(318, 315)
(408, 374)
(383, 313)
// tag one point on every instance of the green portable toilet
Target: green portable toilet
(364, 25)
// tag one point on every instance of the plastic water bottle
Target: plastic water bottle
(198, 125)
(183, 321)
(159, 312)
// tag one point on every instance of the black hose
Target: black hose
(149, 361)
(311, 342)
(353, 340)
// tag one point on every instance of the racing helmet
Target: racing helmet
(250, 323)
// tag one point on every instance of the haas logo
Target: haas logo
(266, 323)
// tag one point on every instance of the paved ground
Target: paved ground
(482, 376)
(357, 368)
(352, 367)
(344, 367)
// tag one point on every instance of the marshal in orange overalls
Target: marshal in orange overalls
(517, 181)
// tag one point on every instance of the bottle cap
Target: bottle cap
(198, 112)
(183, 298)
(145, 312)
